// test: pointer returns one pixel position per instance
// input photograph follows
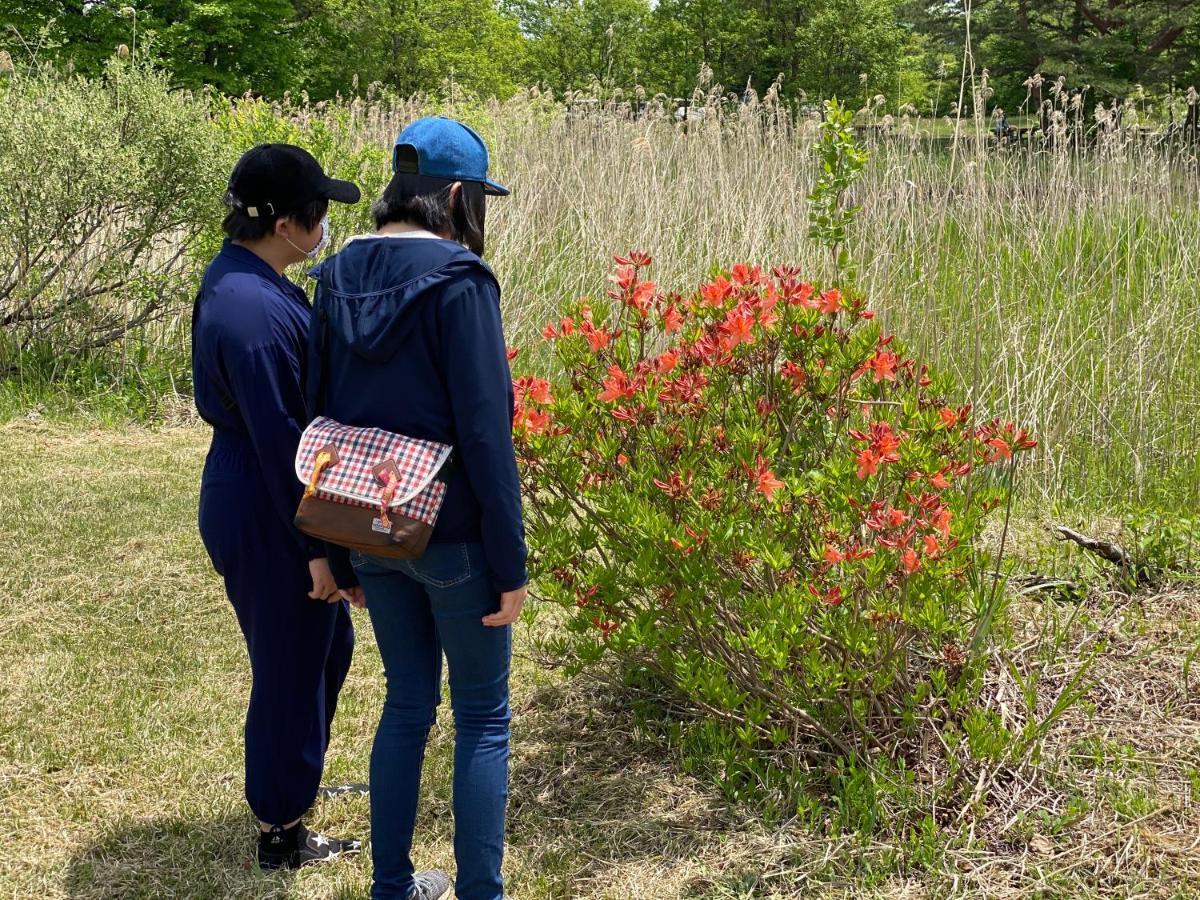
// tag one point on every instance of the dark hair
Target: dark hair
(242, 227)
(425, 202)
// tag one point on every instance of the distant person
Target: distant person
(249, 350)
(407, 337)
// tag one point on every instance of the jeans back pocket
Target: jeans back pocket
(444, 565)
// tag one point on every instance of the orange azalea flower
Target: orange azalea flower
(939, 480)
(868, 463)
(941, 521)
(676, 488)
(539, 391)
(625, 277)
(910, 561)
(672, 320)
(641, 297)
(796, 375)
(550, 332)
(1000, 450)
(885, 442)
(883, 366)
(539, 422)
(799, 294)
(932, 548)
(897, 517)
(833, 555)
(622, 459)
(640, 259)
(831, 301)
(743, 274)
(616, 385)
(597, 338)
(738, 328)
(568, 325)
(765, 481)
(833, 597)
(666, 363)
(949, 417)
(513, 353)
(716, 292)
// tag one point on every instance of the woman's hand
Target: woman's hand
(324, 587)
(511, 603)
(354, 596)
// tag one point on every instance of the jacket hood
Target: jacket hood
(375, 283)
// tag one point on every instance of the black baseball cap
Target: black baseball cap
(273, 180)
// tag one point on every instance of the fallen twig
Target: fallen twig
(1108, 550)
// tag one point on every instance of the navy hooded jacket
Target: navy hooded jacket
(408, 338)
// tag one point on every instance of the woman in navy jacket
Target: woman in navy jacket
(249, 352)
(407, 337)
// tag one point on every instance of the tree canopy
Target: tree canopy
(854, 49)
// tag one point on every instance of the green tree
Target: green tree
(852, 50)
(414, 45)
(234, 45)
(572, 42)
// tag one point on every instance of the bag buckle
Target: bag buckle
(326, 458)
(388, 473)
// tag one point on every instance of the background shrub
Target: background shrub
(105, 185)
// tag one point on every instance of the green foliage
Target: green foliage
(842, 162)
(1160, 547)
(750, 493)
(851, 49)
(413, 46)
(104, 187)
(572, 44)
(233, 45)
(1113, 46)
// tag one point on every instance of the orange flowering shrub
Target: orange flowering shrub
(754, 498)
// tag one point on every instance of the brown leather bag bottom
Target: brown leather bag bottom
(359, 528)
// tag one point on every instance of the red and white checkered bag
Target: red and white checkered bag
(369, 489)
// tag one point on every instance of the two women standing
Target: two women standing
(405, 336)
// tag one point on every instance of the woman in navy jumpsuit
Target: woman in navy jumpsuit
(250, 332)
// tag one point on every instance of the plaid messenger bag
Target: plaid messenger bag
(368, 489)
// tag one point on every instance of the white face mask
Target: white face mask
(321, 244)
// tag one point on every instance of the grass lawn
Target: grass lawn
(124, 683)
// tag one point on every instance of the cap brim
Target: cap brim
(341, 191)
(495, 188)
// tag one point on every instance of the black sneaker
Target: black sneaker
(328, 791)
(296, 847)
(431, 885)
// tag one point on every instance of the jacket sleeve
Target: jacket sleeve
(479, 383)
(265, 381)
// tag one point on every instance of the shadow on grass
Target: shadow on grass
(596, 797)
(190, 858)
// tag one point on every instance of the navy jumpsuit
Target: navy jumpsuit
(249, 339)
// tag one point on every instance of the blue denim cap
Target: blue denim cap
(448, 149)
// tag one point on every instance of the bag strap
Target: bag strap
(318, 370)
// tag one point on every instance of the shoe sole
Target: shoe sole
(333, 857)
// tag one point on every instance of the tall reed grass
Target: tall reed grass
(1060, 284)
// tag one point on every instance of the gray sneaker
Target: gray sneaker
(431, 885)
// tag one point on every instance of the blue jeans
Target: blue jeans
(421, 609)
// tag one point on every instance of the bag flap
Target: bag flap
(360, 453)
